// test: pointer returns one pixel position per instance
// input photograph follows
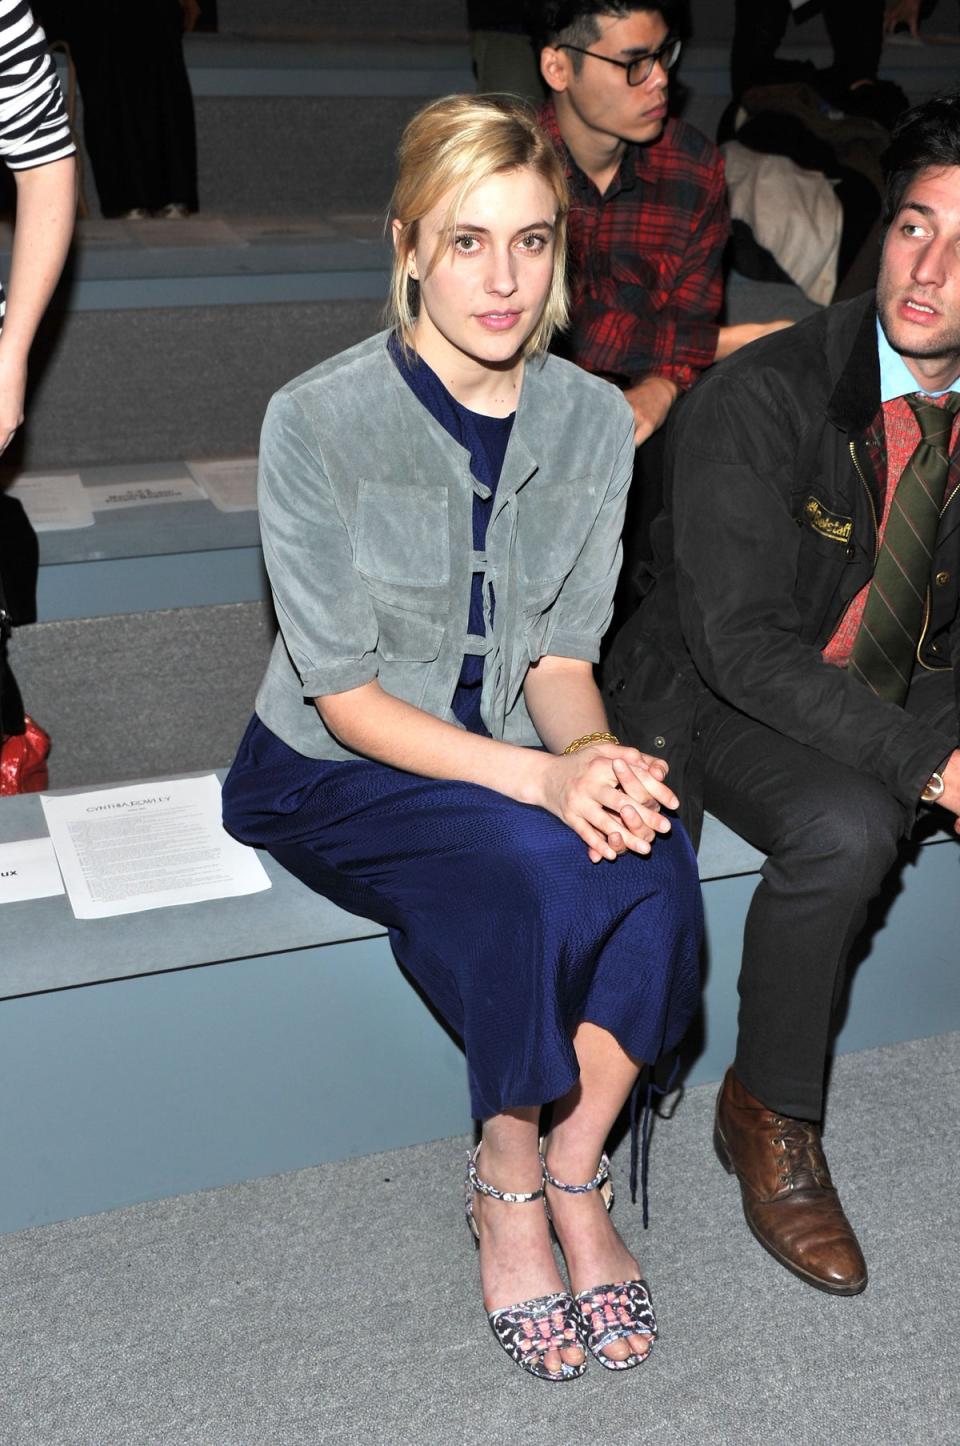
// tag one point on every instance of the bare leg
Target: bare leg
(593, 1250)
(516, 1259)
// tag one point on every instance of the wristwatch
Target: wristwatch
(933, 790)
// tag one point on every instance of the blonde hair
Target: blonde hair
(451, 146)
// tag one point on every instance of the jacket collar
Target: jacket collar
(627, 175)
(855, 399)
(424, 434)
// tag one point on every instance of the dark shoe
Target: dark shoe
(788, 1197)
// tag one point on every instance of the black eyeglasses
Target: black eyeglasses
(640, 69)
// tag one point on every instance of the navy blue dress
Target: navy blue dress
(491, 905)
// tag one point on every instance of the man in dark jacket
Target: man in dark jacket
(793, 656)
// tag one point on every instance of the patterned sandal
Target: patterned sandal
(609, 1312)
(528, 1330)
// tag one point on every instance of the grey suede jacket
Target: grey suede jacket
(366, 518)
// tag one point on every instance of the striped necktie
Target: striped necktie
(885, 647)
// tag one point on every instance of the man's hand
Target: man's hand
(651, 401)
(950, 798)
(732, 338)
(902, 12)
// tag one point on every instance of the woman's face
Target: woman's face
(488, 290)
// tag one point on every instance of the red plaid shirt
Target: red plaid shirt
(645, 258)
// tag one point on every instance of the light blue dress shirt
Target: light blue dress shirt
(896, 378)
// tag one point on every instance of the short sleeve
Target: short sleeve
(582, 612)
(33, 120)
(325, 615)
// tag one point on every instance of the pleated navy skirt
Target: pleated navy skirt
(492, 906)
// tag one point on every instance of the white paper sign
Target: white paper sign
(143, 494)
(28, 870)
(147, 846)
(231, 483)
(53, 503)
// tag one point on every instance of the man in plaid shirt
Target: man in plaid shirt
(649, 218)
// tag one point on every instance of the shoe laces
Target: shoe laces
(801, 1158)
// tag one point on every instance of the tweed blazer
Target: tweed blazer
(366, 519)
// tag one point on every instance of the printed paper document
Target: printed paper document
(107, 497)
(28, 870)
(230, 483)
(147, 846)
(54, 503)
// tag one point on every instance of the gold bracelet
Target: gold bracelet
(588, 738)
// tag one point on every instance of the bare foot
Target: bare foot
(593, 1250)
(517, 1264)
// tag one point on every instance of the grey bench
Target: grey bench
(184, 1048)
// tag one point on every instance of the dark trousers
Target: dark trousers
(137, 103)
(831, 835)
(855, 28)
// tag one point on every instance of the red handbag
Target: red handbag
(23, 756)
(23, 760)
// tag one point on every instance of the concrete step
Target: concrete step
(193, 673)
(117, 385)
(306, 17)
(324, 120)
(167, 339)
(285, 127)
(289, 126)
(144, 536)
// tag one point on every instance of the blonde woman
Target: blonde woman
(441, 510)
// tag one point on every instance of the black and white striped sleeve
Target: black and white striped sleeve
(33, 120)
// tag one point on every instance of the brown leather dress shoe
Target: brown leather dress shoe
(788, 1197)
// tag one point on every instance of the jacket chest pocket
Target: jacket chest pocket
(402, 535)
(553, 526)
(832, 566)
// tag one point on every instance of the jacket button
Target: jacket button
(660, 741)
(934, 647)
(942, 578)
(850, 551)
(620, 684)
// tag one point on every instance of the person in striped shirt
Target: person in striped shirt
(35, 145)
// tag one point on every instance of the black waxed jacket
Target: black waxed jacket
(775, 482)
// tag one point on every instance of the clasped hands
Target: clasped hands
(610, 796)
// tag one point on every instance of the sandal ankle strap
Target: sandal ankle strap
(512, 1197)
(602, 1175)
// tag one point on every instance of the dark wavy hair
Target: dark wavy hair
(926, 135)
(574, 22)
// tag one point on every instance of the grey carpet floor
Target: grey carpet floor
(340, 1304)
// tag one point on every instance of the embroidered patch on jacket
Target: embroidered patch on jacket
(828, 524)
